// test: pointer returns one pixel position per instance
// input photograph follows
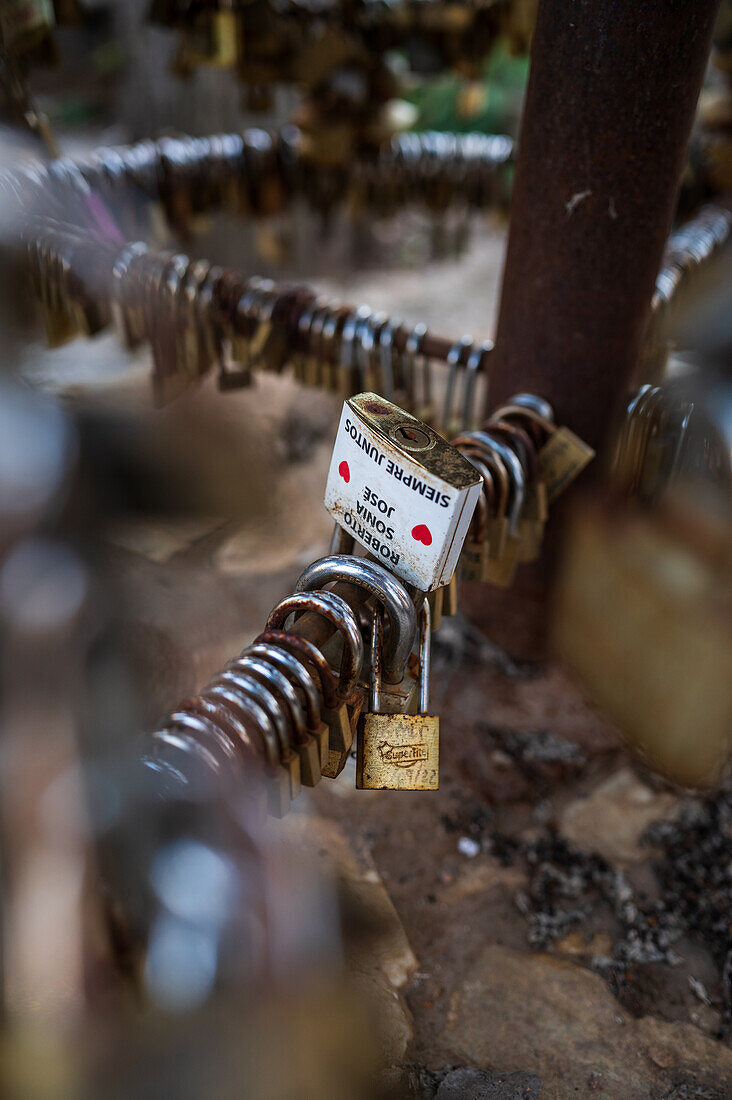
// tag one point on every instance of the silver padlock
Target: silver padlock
(401, 490)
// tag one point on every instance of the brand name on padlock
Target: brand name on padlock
(403, 756)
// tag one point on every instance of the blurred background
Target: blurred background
(557, 918)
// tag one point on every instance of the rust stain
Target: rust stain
(377, 408)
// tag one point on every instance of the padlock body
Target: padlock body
(501, 570)
(340, 738)
(644, 620)
(398, 752)
(401, 491)
(472, 562)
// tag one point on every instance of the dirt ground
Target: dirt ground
(531, 933)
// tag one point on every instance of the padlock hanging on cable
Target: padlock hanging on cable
(399, 752)
(401, 491)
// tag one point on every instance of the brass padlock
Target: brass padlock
(399, 752)
(259, 677)
(327, 726)
(336, 716)
(305, 744)
(473, 560)
(643, 618)
(451, 602)
(503, 558)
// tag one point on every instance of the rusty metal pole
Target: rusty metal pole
(609, 109)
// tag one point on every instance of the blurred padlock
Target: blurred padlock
(644, 619)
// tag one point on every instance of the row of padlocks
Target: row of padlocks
(79, 224)
(441, 495)
(409, 500)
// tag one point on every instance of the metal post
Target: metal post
(609, 109)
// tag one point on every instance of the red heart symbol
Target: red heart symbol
(344, 471)
(422, 533)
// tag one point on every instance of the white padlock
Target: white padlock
(401, 491)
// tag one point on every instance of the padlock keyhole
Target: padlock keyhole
(412, 439)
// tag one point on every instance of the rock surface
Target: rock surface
(380, 965)
(564, 1023)
(477, 1084)
(613, 819)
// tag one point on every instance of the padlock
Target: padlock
(399, 752)
(334, 730)
(351, 364)
(502, 561)
(250, 700)
(390, 363)
(260, 684)
(473, 562)
(125, 310)
(451, 601)
(335, 316)
(643, 618)
(313, 372)
(292, 673)
(336, 713)
(401, 491)
(300, 355)
(396, 602)
(475, 396)
(534, 512)
(563, 455)
(451, 419)
(562, 459)
(366, 363)
(437, 600)
(58, 316)
(533, 521)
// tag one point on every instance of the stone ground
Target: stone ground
(450, 874)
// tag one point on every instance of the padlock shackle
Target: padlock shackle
(218, 693)
(480, 453)
(232, 728)
(189, 743)
(281, 686)
(225, 752)
(306, 651)
(261, 695)
(511, 461)
(425, 655)
(377, 655)
(525, 412)
(520, 442)
(532, 401)
(391, 593)
(231, 692)
(299, 675)
(338, 612)
(473, 367)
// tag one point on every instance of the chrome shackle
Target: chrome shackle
(390, 592)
